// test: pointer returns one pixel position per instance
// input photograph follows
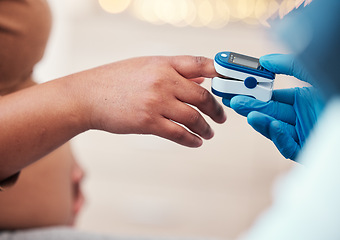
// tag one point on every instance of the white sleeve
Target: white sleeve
(307, 200)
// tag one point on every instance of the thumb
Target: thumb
(285, 64)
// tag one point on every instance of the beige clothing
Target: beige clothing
(24, 30)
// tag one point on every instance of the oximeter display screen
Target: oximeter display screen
(244, 60)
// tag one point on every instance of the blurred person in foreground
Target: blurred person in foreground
(304, 125)
(47, 192)
(147, 95)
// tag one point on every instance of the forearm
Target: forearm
(148, 95)
(37, 120)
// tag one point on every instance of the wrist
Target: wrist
(75, 102)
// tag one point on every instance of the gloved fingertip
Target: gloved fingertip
(255, 116)
(269, 57)
(267, 60)
(260, 122)
(234, 102)
(240, 105)
(252, 118)
(240, 101)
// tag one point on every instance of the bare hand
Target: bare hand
(152, 95)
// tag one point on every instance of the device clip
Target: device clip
(240, 80)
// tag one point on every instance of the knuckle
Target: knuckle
(200, 61)
(194, 118)
(156, 81)
(148, 112)
(146, 119)
(179, 135)
(205, 96)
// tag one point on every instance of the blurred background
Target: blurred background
(147, 186)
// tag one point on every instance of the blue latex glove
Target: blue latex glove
(291, 114)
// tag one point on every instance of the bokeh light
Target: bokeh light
(203, 13)
(114, 6)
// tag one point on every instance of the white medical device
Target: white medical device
(241, 75)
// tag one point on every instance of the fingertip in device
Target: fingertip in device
(241, 75)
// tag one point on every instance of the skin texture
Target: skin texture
(24, 30)
(48, 192)
(148, 95)
(114, 98)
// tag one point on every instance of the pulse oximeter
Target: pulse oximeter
(241, 75)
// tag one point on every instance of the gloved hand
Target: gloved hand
(291, 114)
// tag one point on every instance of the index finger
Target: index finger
(281, 111)
(286, 95)
(194, 66)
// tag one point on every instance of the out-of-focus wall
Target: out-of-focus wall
(144, 185)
